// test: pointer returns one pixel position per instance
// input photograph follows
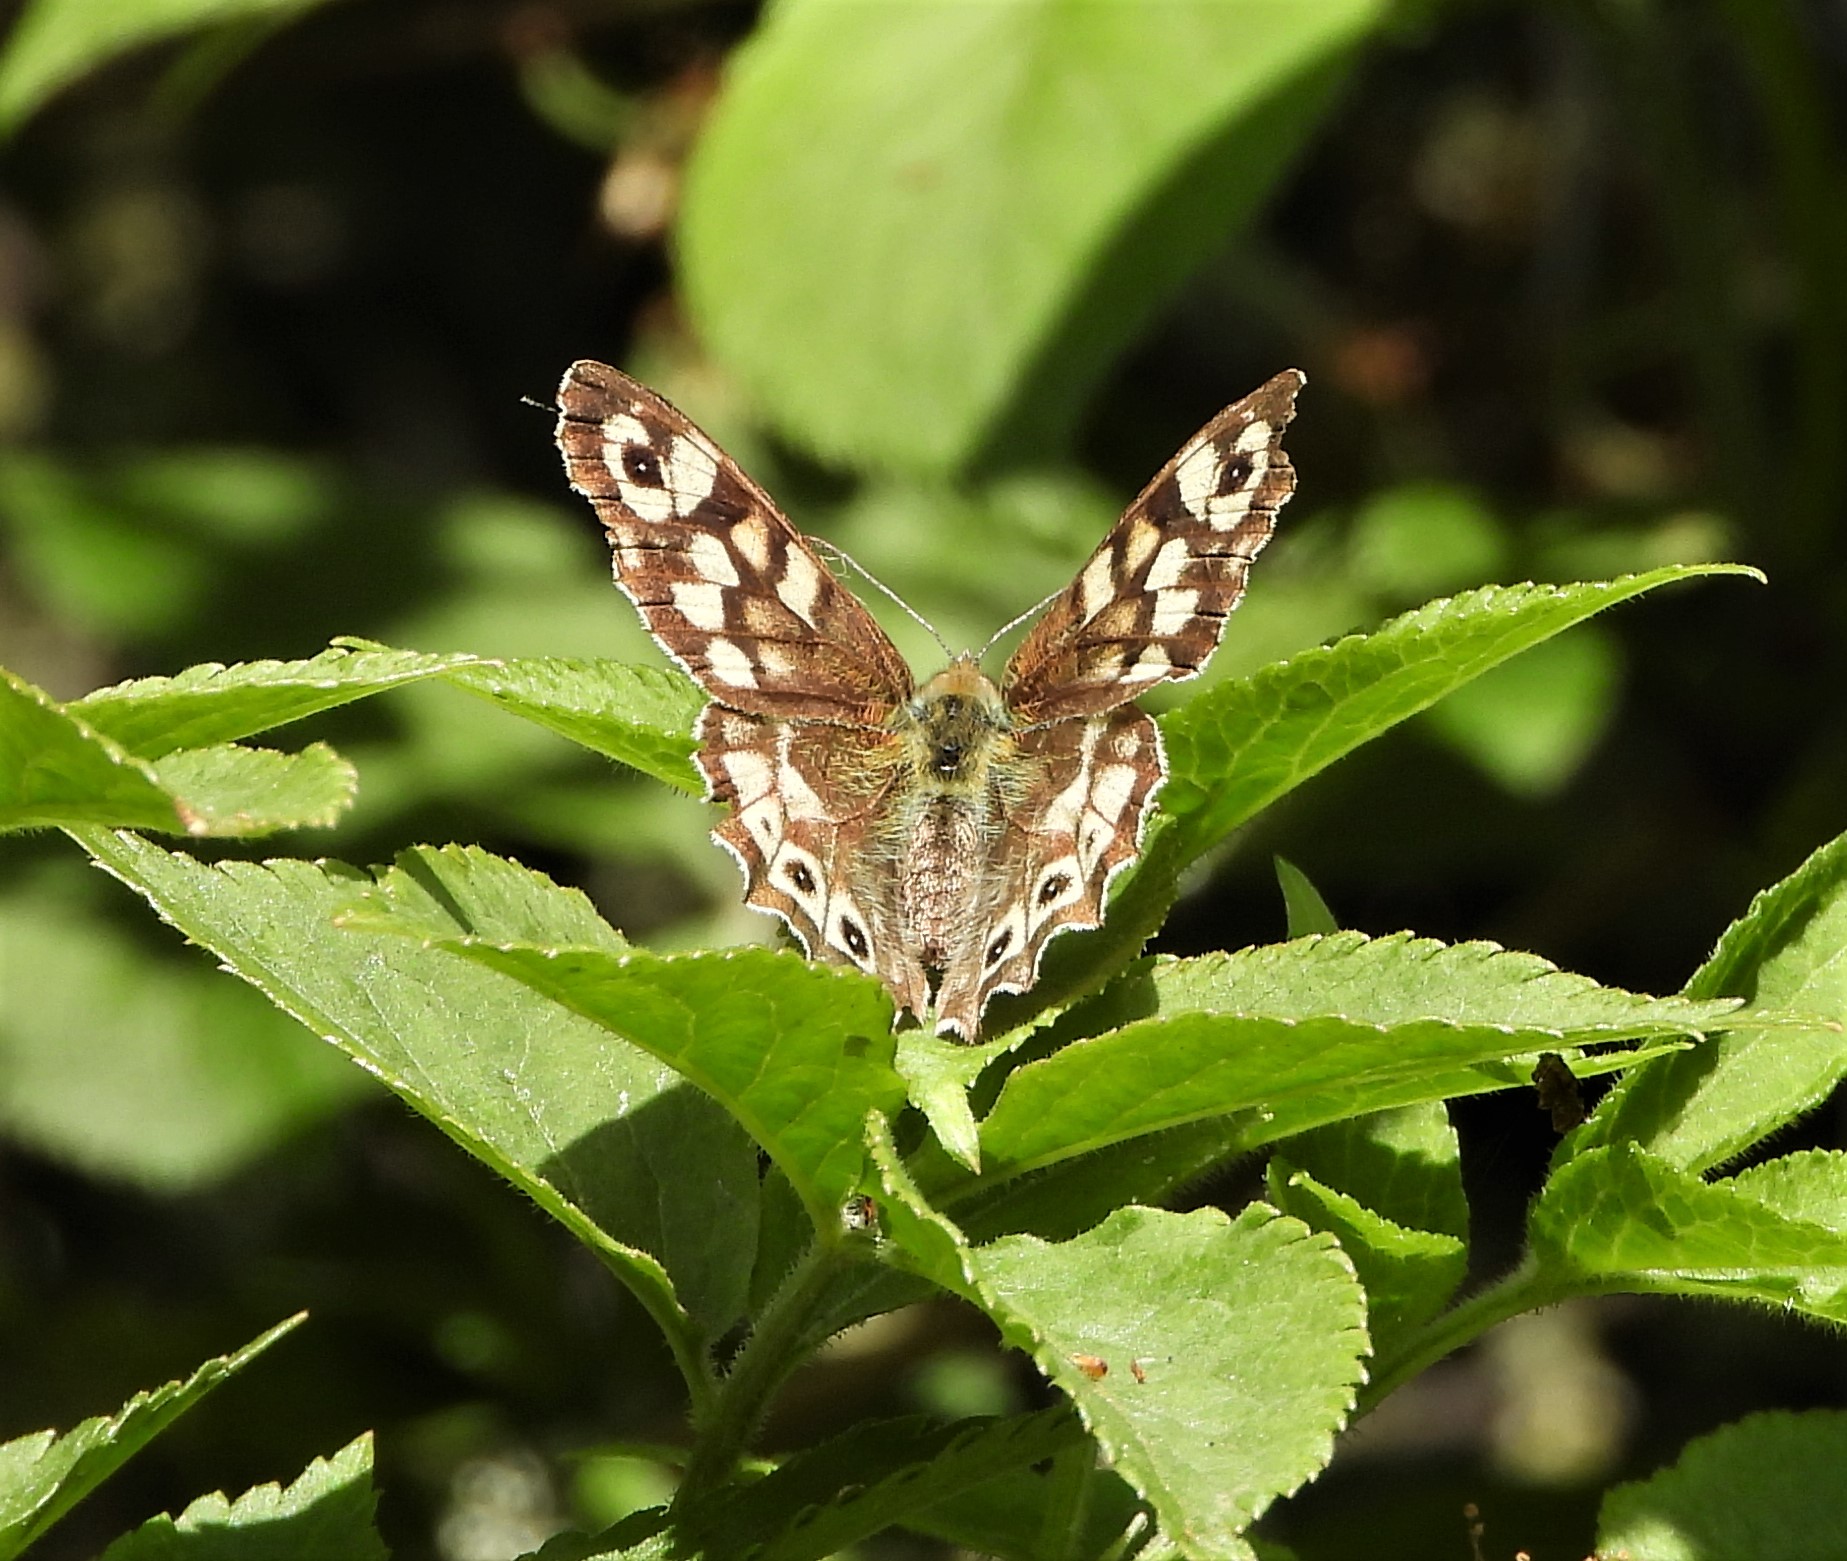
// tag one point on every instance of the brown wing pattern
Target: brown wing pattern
(727, 586)
(1151, 603)
(1078, 824)
(802, 807)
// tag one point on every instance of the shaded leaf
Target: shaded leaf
(326, 1515)
(44, 1475)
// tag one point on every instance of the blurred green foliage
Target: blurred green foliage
(1566, 284)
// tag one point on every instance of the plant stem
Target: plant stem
(1526, 1289)
(782, 1338)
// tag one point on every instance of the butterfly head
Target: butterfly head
(955, 726)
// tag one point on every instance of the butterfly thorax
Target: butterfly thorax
(959, 774)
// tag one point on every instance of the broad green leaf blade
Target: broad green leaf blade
(1766, 1488)
(938, 1075)
(1351, 1023)
(1025, 1513)
(211, 704)
(640, 1167)
(327, 1512)
(641, 716)
(1619, 1219)
(141, 1069)
(56, 41)
(1811, 1187)
(54, 770)
(1232, 1350)
(1213, 1359)
(1240, 745)
(44, 1475)
(829, 1497)
(230, 791)
(1787, 951)
(905, 221)
(797, 1053)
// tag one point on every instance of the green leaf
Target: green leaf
(44, 1475)
(129, 1067)
(1700, 1109)
(1029, 1513)
(326, 1515)
(1212, 1358)
(1618, 1218)
(1338, 1025)
(1408, 1274)
(1766, 1488)
(56, 41)
(937, 1076)
(641, 716)
(828, 1497)
(55, 770)
(797, 1053)
(1307, 912)
(1406, 1164)
(1240, 746)
(232, 791)
(640, 1167)
(903, 221)
(211, 703)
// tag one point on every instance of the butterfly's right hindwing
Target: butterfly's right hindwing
(726, 585)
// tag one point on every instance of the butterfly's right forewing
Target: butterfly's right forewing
(727, 586)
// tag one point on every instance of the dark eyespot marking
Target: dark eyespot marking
(1053, 887)
(997, 950)
(854, 937)
(641, 465)
(1237, 472)
(797, 873)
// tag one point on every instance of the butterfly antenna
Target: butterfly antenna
(841, 555)
(1013, 623)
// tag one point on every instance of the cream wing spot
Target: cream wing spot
(763, 819)
(691, 472)
(1197, 478)
(800, 585)
(797, 874)
(1005, 939)
(751, 537)
(712, 559)
(1167, 565)
(1114, 788)
(1138, 546)
(1153, 663)
(750, 774)
(1173, 611)
(702, 604)
(1060, 883)
(1096, 586)
(729, 664)
(1256, 436)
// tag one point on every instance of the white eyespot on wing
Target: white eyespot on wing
(1152, 663)
(1173, 611)
(1005, 939)
(847, 931)
(701, 603)
(1060, 883)
(1164, 572)
(800, 585)
(729, 664)
(797, 873)
(1096, 586)
(1201, 476)
(711, 558)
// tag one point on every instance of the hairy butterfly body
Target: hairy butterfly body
(933, 836)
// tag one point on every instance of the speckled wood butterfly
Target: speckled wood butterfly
(935, 837)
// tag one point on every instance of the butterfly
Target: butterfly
(934, 836)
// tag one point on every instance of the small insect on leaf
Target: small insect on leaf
(1094, 1367)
